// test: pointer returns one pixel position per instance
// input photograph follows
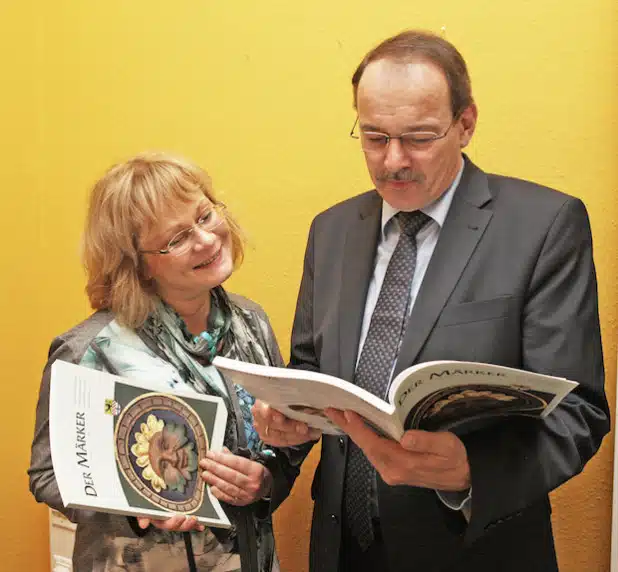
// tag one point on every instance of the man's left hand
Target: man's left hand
(421, 458)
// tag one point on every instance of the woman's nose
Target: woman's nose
(203, 237)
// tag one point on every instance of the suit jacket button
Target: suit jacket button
(334, 519)
(341, 443)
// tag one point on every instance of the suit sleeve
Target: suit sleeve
(520, 461)
(303, 354)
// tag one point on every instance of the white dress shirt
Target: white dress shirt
(426, 241)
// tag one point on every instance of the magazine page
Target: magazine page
(441, 395)
(119, 447)
(303, 395)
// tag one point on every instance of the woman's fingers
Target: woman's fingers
(176, 523)
(235, 479)
(278, 430)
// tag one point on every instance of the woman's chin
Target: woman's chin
(220, 276)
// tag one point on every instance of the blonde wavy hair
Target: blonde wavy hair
(129, 199)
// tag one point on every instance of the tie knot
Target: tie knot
(411, 222)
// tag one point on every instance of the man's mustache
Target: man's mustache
(403, 175)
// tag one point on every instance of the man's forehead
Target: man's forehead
(387, 76)
(411, 91)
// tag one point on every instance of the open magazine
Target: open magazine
(118, 446)
(437, 395)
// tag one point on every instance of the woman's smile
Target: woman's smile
(208, 262)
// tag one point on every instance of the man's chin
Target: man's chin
(407, 197)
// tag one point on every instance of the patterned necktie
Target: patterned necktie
(376, 362)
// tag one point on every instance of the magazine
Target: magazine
(432, 396)
(119, 446)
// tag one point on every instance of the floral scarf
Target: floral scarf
(227, 333)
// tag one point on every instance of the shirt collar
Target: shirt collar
(436, 210)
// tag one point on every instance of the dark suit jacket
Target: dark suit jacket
(511, 282)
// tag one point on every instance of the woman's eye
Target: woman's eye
(205, 218)
(178, 239)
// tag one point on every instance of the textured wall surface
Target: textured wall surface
(259, 94)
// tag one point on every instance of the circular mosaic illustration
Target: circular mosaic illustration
(159, 440)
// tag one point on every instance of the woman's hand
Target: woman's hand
(274, 428)
(234, 479)
(176, 523)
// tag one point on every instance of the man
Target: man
(475, 267)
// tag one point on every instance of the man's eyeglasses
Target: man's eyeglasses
(181, 242)
(377, 142)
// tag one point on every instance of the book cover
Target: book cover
(118, 446)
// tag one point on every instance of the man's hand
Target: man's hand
(234, 479)
(421, 459)
(277, 430)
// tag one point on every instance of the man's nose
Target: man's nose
(395, 156)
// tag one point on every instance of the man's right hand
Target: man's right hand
(277, 430)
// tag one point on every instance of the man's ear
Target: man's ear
(467, 121)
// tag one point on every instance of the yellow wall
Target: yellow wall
(258, 92)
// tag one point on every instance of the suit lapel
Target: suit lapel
(463, 228)
(357, 268)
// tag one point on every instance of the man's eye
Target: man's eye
(375, 138)
(419, 137)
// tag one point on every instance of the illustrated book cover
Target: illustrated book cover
(432, 396)
(118, 446)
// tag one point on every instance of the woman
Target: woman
(157, 248)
